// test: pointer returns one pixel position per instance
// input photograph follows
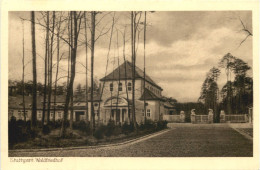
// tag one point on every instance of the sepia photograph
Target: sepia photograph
(130, 84)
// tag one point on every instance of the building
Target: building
(115, 101)
(15, 107)
(117, 96)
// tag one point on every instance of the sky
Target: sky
(181, 47)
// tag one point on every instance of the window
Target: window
(111, 86)
(129, 86)
(148, 112)
(39, 115)
(59, 115)
(143, 112)
(120, 87)
(19, 115)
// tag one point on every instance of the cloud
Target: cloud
(181, 48)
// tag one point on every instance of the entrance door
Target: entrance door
(123, 115)
(78, 115)
(118, 116)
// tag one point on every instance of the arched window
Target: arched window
(129, 86)
(111, 86)
(120, 87)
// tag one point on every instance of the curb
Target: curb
(243, 133)
(96, 146)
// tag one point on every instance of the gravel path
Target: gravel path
(183, 140)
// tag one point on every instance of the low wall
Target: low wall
(201, 118)
(238, 118)
(174, 118)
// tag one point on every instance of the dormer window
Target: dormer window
(111, 86)
(120, 87)
(129, 86)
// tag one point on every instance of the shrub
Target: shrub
(46, 129)
(149, 125)
(162, 124)
(127, 128)
(19, 131)
(100, 132)
(82, 126)
(110, 128)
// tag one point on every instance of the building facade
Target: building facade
(114, 98)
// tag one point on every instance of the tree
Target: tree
(227, 63)
(23, 76)
(57, 64)
(45, 67)
(209, 91)
(86, 47)
(93, 25)
(76, 17)
(34, 88)
(50, 59)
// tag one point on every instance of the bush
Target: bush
(82, 126)
(110, 128)
(127, 128)
(149, 125)
(162, 124)
(100, 132)
(46, 129)
(19, 131)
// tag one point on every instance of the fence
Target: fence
(201, 119)
(174, 118)
(241, 118)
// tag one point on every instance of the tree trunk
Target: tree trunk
(133, 66)
(24, 113)
(126, 87)
(71, 61)
(57, 69)
(50, 69)
(144, 66)
(93, 24)
(109, 47)
(34, 88)
(73, 66)
(45, 68)
(86, 46)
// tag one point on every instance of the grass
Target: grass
(74, 139)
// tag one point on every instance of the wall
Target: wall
(107, 92)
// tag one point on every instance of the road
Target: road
(183, 140)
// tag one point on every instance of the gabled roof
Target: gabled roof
(16, 102)
(81, 97)
(148, 95)
(125, 71)
(168, 105)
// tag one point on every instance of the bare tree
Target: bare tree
(126, 87)
(34, 89)
(246, 30)
(76, 17)
(45, 67)
(57, 66)
(86, 47)
(93, 25)
(144, 66)
(50, 68)
(24, 113)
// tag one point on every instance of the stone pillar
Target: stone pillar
(210, 116)
(246, 118)
(182, 117)
(192, 116)
(222, 116)
(250, 115)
